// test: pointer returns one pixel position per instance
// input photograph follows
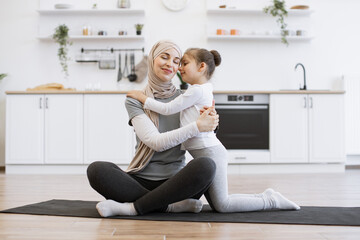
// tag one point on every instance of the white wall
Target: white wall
(259, 65)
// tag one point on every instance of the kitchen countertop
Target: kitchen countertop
(215, 92)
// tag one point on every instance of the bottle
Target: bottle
(123, 3)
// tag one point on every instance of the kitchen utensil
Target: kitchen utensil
(132, 76)
(126, 71)
(107, 62)
(119, 77)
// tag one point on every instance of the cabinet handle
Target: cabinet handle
(240, 158)
(311, 102)
(40, 103)
(46, 103)
(305, 105)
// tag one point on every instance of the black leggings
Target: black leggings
(113, 183)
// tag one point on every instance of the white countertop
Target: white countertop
(215, 92)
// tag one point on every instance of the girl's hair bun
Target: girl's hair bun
(217, 57)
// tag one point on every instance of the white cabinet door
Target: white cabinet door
(288, 128)
(326, 124)
(64, 128)
(24, 129)
(108, 137)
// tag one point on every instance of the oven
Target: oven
(244, 126)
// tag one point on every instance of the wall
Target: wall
(247, 65)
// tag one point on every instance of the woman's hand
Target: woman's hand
(208, 121)
(138, 95)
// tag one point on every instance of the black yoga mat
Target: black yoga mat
(341, 216)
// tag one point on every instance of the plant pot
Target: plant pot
(184, 86)
(138, 32)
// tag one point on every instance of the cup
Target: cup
(220, 32)
(301, 32)
(234, 32)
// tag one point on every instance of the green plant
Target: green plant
(183, 84)
(2, 76)
(278, 10)
(61, 36)
(139, 27)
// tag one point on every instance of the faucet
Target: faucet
(304, 88)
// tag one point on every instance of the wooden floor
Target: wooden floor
(340, 189)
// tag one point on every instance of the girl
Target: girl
(197, 67)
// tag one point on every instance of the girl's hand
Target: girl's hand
(138, 95)
(207, 122)
(213, 112)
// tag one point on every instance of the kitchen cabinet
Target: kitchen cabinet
(107, 135)
(307, 128)
(25, 129)
(44, 129)
(67, 129)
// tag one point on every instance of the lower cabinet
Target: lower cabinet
(107, 135)
(63, 129)
(307, 128)
(44, 129)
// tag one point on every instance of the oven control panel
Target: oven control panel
(241, 98)
(244, 98)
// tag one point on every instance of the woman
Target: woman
(157, 179)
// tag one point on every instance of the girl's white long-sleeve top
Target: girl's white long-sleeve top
(189, 105)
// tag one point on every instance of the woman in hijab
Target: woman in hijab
(157, 178)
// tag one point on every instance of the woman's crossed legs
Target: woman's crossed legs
(128, 195)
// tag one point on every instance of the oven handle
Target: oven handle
(241, 107)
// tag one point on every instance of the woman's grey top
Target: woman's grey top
(164, 164)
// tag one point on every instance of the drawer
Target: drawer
(248, 156)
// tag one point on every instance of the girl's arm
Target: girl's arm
(150, 135)
(183, 101)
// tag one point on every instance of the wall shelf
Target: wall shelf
(291, 12)
(94, 37)
(259, 37)
(91, 11)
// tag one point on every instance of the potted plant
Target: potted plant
(61, 36)
(2, 76)
(138, 28)
(277, 9)
(183, 84)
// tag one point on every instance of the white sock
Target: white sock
(110, 208)
(282, 202)
(268, 192)
(187, 205)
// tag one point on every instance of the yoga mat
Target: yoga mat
(341, 216)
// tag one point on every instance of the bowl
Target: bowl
(63, 6)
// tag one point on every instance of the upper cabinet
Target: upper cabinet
(103, 22)
(238, 21)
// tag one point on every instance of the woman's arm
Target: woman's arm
(150, 135)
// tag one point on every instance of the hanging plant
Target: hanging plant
(2, 76)
(61, 36)
(278, 10)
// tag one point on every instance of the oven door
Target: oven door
(244, 126)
